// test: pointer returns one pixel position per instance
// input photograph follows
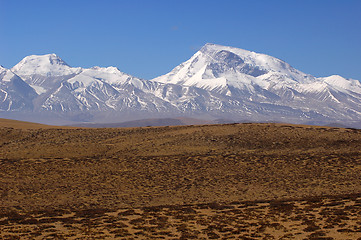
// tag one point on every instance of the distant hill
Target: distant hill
(9, 123)
(155, 122)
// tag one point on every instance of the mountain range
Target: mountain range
(216, 82)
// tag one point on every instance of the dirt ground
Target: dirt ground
(241, 181)
(315, 218)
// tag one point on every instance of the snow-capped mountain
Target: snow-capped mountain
(102, 89)
(15, 94)
(226, 69)
(108, 89)
(44, 72)
(254, 78)
(216, 82)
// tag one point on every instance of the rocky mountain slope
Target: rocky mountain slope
(216, 82)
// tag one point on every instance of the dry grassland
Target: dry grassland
(241, 181)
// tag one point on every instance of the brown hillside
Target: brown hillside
(8, 123)
(171, 165)
(50, 169)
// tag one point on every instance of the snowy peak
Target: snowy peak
(15, 94)
(211, 49)
(44, 72)
(54, 59)
(44, 65)
(216, 67)
(110, 75)
(107, 73)
(217, 81)
(342, 84)
(251, 63)
(110, 69)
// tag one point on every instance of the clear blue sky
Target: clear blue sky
(148, 38)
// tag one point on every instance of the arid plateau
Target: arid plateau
(225, 181)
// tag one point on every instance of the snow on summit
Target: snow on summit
(45, 65)
(217, 81)
(111, 75)
(216, 67)
(343, 84)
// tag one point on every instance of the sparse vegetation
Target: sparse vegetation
(241, 181)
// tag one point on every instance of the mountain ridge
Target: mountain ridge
(217, 81)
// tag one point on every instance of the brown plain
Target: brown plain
(280, 180)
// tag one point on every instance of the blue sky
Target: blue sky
(149, 38)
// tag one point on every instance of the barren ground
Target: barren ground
(250, 181)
